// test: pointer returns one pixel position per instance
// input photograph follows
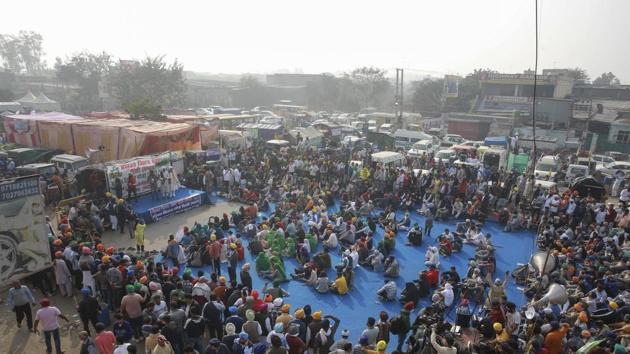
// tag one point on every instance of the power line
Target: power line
(535, 80)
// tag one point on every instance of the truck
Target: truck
(23, 231)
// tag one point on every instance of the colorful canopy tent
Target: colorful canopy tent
(117, 138)
(24, 129)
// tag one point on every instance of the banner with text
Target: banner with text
(175, 207)
(23, 233)
(139, 167)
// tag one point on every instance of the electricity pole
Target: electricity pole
(398, 99)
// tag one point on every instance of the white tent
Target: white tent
(28, 98)
(387, 157)
(39, 103)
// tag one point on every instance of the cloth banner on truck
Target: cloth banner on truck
(23, 233)
(175, 207)
(139, 167)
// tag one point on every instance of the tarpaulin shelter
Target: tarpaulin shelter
(588, 186)
(116, 138)
(24, 129)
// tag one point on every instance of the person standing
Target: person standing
(232, 258)
(62, 275)
(131, 187)
(172, 250)
(139, 234)
(88, 346)
(19, 300)
(105, 340)
(88, 309)
(49, 317)
(153, 182)
(131, 306)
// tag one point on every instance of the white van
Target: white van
(372, 126)
(404, 139)
(547, 166)
(69, 163)
(574, 171)
(386, 128)
(446, 156)
(421, 147)
(387, 158)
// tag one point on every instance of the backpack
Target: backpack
(397, 325)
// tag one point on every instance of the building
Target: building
(610, 121)
(502, 94)
(292, 79)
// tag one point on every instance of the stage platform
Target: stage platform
(361, 301)
(154, 210)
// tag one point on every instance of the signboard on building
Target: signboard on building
(516, 78)
(451, 86)
(509, 99)
(23, 233)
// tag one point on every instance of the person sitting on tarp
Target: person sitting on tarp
(323, 260)
(414, 237)
(306, 273)
(375, 261)
(340, 285)
(387, 245)
(387, 292)
(392, 268)
(410, 293)
(275, 291)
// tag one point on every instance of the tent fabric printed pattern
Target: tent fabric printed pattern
(119, 138)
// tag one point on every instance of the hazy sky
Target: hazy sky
(437, 36)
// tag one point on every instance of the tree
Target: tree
(22, 52)
(6, 95)
(249, 81)
(86, 70)
(579, 74)
(427, 95)
(606, 79)
(143, 88)
(370, 84)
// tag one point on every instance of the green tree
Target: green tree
(22, 52)
(370, 84)
(579, 74)
(427, 95)
(606, 79)
(86, 70)
(143, 88)
(249, 81)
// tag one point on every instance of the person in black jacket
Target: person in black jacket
(88, 309)
(194, 328)
(246, 278)
(212, 313)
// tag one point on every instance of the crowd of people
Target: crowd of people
(320, 201)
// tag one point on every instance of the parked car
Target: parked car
(69, 163)
(451, 139)
(355, 142)
(602, 160)
(46, 170)
(575, 170)
(447, 156)
(615, 168)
